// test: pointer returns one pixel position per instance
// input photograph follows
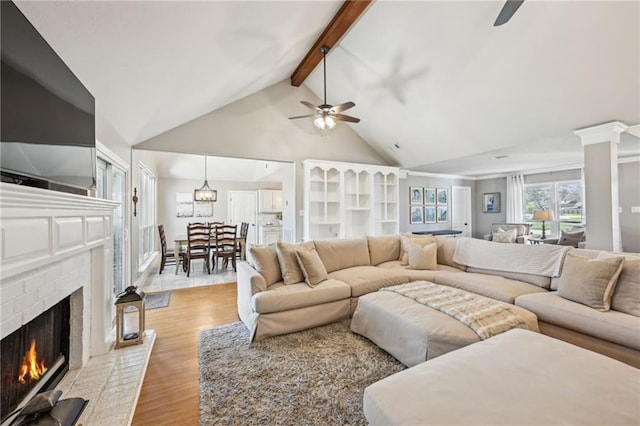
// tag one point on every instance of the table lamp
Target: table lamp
(544, 216)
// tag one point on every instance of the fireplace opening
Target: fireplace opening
(35, 357)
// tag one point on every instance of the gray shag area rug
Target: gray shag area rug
(315, 376)
(157, 300)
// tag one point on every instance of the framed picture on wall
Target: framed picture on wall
(202, 209)
(443, 196)
(429, 195)
(415, 195)
(491, 202)
(184, 204)
(443, 214)
(416, 214)
(430, 214)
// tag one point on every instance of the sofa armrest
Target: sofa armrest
(250, 282)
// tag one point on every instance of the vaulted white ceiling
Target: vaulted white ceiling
(435, 78)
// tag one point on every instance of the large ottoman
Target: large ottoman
(413, 332)
(516, 378)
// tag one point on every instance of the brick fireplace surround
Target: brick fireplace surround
(54, 245)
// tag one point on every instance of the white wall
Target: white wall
(258, 127)
(177, 226)
(482, 221)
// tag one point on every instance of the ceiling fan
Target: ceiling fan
(325, 115)
(507, 12)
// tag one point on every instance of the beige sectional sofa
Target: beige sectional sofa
(355, 267)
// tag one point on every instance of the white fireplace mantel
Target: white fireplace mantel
(45, 238)
(41, 226)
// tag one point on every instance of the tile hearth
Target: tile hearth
(111, 382)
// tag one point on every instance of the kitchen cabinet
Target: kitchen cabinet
(269, 201)
(269, 234)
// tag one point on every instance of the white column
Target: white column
(600, 144)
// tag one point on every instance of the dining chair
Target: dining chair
(242, 241)
(225, 244)
(168, 255)
(198, 239)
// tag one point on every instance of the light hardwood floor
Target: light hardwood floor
(170, 390)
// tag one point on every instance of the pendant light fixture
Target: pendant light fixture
(205, 193)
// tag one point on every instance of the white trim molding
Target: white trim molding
(607, 132)
(41, 226)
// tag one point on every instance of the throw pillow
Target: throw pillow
(590, 281)
(265, 260)
(626, 297)
(286, 252)
(421, 240)
(423, 257)
(570, 238)
(502, 236)
(312, 267)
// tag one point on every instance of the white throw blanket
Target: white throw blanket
(536, 259)
(486, 317)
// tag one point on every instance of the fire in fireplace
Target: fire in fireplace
(34, 358)
(31, 368)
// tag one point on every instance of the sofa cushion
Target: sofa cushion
(383, 249)
(423, 257)
(265, 260)
(504, 236)
(286, 252)
(365, 279)
(312, 268)
(408, 237)
(341, 254)
(280, 297)
(446, 249)
(392, 264)
(590, 281)
(492, 286)
(611, 326)
(539, 280)
(626, 297)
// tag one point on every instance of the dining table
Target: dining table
(181, 241)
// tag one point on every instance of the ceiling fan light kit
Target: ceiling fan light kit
(326, 116)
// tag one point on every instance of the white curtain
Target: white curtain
(515, 190)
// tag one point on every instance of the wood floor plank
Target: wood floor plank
(170, 391)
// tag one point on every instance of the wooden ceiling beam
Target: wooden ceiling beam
(348, 14)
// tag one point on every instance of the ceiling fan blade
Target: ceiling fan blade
(310, 105)
(344, 117)
(507, 12)
(303, 116)
(343, 107)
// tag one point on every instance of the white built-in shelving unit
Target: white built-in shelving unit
(348, 200)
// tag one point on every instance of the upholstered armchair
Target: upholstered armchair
(522, 231)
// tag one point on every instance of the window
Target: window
(111, 180)
(563, 198)
(146, 214)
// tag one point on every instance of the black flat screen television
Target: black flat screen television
(47, 118)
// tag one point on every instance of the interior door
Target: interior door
(243, 207)
(461, 209)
